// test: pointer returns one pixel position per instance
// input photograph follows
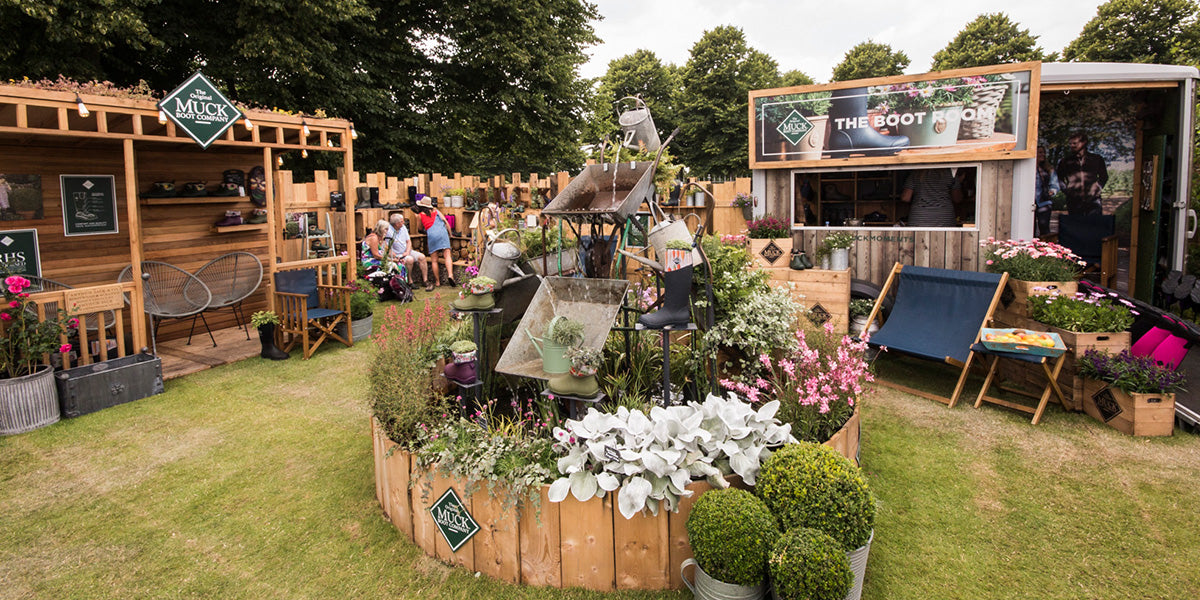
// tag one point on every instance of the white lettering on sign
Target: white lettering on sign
(201, 111)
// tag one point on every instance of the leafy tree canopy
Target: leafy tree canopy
(712, 103)
(1139, 31)
(870, 59)
(991, 39)
(638, 74)
(794, 78)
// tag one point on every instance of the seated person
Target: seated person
(372, 246)
(401, 251)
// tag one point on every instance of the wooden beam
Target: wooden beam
(349, 186)
(272, 232)
(1105, 86)
(137, 308)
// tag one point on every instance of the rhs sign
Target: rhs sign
(938, 117)
(453, 520)
(200, 110)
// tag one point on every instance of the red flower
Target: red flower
(5, 317)
(64, 348)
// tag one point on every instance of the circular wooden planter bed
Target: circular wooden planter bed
(569, 544)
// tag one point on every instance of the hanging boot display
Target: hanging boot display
(849, 131)
(677, 284)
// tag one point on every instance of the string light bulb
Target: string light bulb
(247, 123)
(162, 117)
(353, 133)
(304, 153)
(279, 160)
(329, 143)
(304, 128)
(83, 109)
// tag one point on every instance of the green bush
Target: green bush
(807, 564)
(810, 485)
(731, 533)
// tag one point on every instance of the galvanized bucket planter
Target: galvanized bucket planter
(707, 588)
(28, 402)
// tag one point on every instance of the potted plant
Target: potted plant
(1085, 321)
(811, 485)
(28, 396)
(1133, 394)
(731, 533)
(580, 379)
(807, 564)
(362, 308)
(770, 241)
(746, 202)
(266, 322)
(476, 294)
(463, 369)
(1034, 267)
(860, 309)
(839, 244)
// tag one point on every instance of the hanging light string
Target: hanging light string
(83, 109)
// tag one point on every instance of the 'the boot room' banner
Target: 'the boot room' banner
(985, 113)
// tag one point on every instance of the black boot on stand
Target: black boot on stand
(848, 136)
(266, 336)
(675, 309)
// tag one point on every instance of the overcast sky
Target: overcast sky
(814, 36)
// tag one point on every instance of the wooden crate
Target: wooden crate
(1030, 375)
(1016, 312)
(1133, 414)
(771, 253)
(824, 294)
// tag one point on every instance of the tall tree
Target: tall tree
(870, 59)
(714, 88)
(991, 39)
(1140, 31)
(794, 78)
(638, 74)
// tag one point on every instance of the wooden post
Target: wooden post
(350, 186)
(137, 310)
(272, 232)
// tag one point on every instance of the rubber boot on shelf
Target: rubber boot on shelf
(847, 137)
(675, 308)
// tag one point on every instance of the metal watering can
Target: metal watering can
(638, 126)
(665, 231)
(554, 359)
(499, 261)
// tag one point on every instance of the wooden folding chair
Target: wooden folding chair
(304, 306)
(1051, 373)
(937, 315)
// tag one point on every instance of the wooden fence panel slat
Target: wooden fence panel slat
(497, 548)
(587, 542)
(540, 539)
(399, 501)
(642, 551)
(424, 531)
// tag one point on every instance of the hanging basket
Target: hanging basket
(985, 103)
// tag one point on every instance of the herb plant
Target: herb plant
(811, 485)
(731, 533)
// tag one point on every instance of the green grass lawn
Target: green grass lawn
(254, 480)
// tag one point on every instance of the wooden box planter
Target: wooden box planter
(565, 544)
(771, 253)
(1133, 414)
(826, 294)
(1016, 312)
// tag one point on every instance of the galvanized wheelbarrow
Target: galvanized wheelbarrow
(593, 302)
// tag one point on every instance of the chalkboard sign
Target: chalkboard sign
(89, 204)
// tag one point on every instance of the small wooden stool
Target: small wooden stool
(1051, 373)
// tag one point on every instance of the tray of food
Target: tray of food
(1038, 343)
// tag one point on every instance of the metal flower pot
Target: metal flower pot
(28, 402)
(707, 588)
(858, 566)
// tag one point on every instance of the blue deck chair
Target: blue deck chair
(937, 316)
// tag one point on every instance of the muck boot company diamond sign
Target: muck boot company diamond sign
(794, 127)
(453, 520)
(200, 110)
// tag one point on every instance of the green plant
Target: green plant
(1131, 374)
(731, 533)
(807, 564)
(462, 347)
(399, 374)
(839, 240)
(743, 200)
(1082, 312)
(263, 317)
(679, 245)
(732, 281)
(362, 300)
(291, 230)
(810, 485)
(24, 339)
(531, 241)
(585, 358)
(1031, 260)
(760, 324)
(768, 227)
(565, 332)
(861, 307)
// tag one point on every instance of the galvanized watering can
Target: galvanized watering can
(499, 261)
(638, 126)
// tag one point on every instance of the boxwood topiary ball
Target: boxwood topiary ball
(810, 485)
(731, 533)
(807, 564)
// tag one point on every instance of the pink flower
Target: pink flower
(64, 348)
(5, 317)
(73, 323)
(14, 304)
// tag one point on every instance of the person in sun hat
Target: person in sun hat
(437, 234)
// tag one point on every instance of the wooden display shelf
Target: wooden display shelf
(173, 200)
(241, 228)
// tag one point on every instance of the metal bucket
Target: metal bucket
(499, 260)
(858, 566)
(707, 588)
(638, 127)
(667, 230)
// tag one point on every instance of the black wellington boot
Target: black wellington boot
(675, 309)
(852, 135)
(266, 336)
